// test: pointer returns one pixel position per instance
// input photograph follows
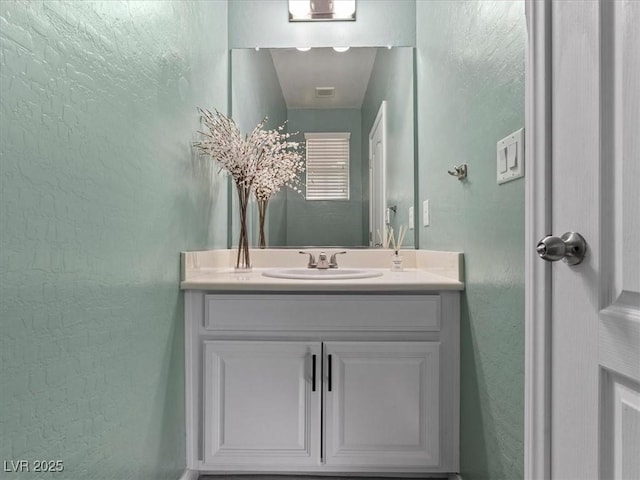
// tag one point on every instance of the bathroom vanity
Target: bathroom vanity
(354, 375)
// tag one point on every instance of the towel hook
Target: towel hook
(459, 171)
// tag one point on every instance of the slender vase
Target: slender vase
(262, 214)
(243, 262)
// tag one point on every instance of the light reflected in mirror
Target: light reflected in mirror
(365, 92)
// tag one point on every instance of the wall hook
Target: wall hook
(460, 171)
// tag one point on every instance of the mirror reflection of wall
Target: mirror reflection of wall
(281, 84)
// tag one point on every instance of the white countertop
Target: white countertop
(425, 270)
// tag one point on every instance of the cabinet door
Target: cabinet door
(382, 404)
(260, 407)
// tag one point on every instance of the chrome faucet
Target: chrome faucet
(322, 262)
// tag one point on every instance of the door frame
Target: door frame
(379, 122)
(538, 201)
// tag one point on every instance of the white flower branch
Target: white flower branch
(263, 160)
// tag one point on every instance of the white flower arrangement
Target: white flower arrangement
(237, 156)
(263, 160)
(282, 165)
(260, 162)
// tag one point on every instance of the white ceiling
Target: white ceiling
(300, 73)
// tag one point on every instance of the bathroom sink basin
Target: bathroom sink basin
(320, 274)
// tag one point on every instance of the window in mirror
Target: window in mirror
(327, 166)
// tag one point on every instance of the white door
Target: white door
(382, 404)
(595, 175)
(377, 172)
(261, 403)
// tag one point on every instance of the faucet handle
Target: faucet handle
(333, 262)
(312, 260)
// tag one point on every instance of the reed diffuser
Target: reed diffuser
(390, 240)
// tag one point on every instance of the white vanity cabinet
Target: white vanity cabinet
(314, 382)
(260, 406)
(381, 404)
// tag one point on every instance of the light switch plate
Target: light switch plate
(411, 219)
(510, 157)
(425, 213)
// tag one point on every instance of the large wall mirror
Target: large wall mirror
(366, 93)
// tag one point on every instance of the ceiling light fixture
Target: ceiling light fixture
(341, 49)
(321, 10)
(303, 49)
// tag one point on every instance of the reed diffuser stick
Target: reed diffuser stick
(396, 241)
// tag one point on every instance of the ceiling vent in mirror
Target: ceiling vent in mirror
(325, 92)
(321, 10)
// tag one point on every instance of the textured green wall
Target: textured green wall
(328, 222)
(99, 193)
(470, 95)
(392, 80)
(255, 90)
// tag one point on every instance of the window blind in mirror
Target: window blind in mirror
(327, 166)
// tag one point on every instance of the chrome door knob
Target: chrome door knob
(570, 248)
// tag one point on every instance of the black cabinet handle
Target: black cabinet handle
(329, 371)
(313, 368)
